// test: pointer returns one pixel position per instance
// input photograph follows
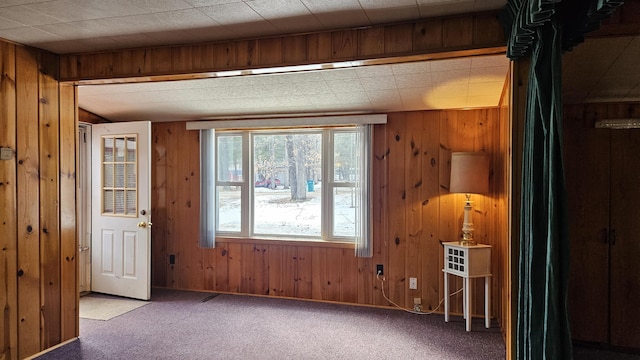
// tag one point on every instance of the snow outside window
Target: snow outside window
(288, 184)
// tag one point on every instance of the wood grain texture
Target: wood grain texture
(8, 202)
(49, 159)
(412, 213)
(437, 35)
(28, 182)
(69, 296)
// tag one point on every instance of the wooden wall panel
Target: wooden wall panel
(456, 36)
(48, 138)
(68, 212)
(413, 213)
(8, 201)
(432, 262)
(414, 183)
(159, 251)
(28, 182)
(38, 268)
(395, 275)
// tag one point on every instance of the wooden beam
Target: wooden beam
(452, 36)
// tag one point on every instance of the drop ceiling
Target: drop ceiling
(73, 26)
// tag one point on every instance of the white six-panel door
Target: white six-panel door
(121, 203)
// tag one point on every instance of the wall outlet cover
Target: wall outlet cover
(413, 283)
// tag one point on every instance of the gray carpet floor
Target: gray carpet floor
(192, 325)
(195, 325)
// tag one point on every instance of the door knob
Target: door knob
(144, 224)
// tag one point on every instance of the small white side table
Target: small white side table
(468, 262)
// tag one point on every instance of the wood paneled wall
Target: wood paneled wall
(38, 266)
(413, 213)
(458, 35)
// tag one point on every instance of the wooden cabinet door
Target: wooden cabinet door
(586, 158)
(625, 249)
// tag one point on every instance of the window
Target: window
(298, 184)
(119, 182)
(307, 178)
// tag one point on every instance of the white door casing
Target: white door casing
(84, 207)
(121, 216)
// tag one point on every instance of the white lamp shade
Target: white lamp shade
(469, 173)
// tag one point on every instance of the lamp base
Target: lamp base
(467, 224)
(468, 242)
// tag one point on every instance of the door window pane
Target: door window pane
(119, 175)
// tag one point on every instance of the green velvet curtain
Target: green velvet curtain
(543, 29)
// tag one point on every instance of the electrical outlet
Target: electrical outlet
(413, 283)
(417, 301)
(379, 269)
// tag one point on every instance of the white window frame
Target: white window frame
(248, 215)
(363, 238)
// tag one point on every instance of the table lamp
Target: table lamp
(469, 175)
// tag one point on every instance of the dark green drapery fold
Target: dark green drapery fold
(543, 29)
(543, 325)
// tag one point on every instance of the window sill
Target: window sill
(288, 242)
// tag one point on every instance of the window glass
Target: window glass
(229, 158)
(280, 191)
(229, 208)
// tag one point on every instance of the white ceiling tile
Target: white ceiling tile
(337, 13)
(66, 10)
(416, 67)
(485, 88)
(490, 61)
(8, 3)
(202, 3)
(451, 77)
(278, 9)
(331, 6)
(485, 74)
(312, 88)
(340, 86)
(233, 13)
(383, 4)
(9, 24)
(356, 97)
(185, 19)
(413, 81)
(450, 91)
(27, 16)
(451, 64)
(28, 35)
(339, 74)
(160, 5)
(378, 83)
(386, 97)
(373, 71)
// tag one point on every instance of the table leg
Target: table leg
(487, 301)
(446, 297)
(467, 302)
